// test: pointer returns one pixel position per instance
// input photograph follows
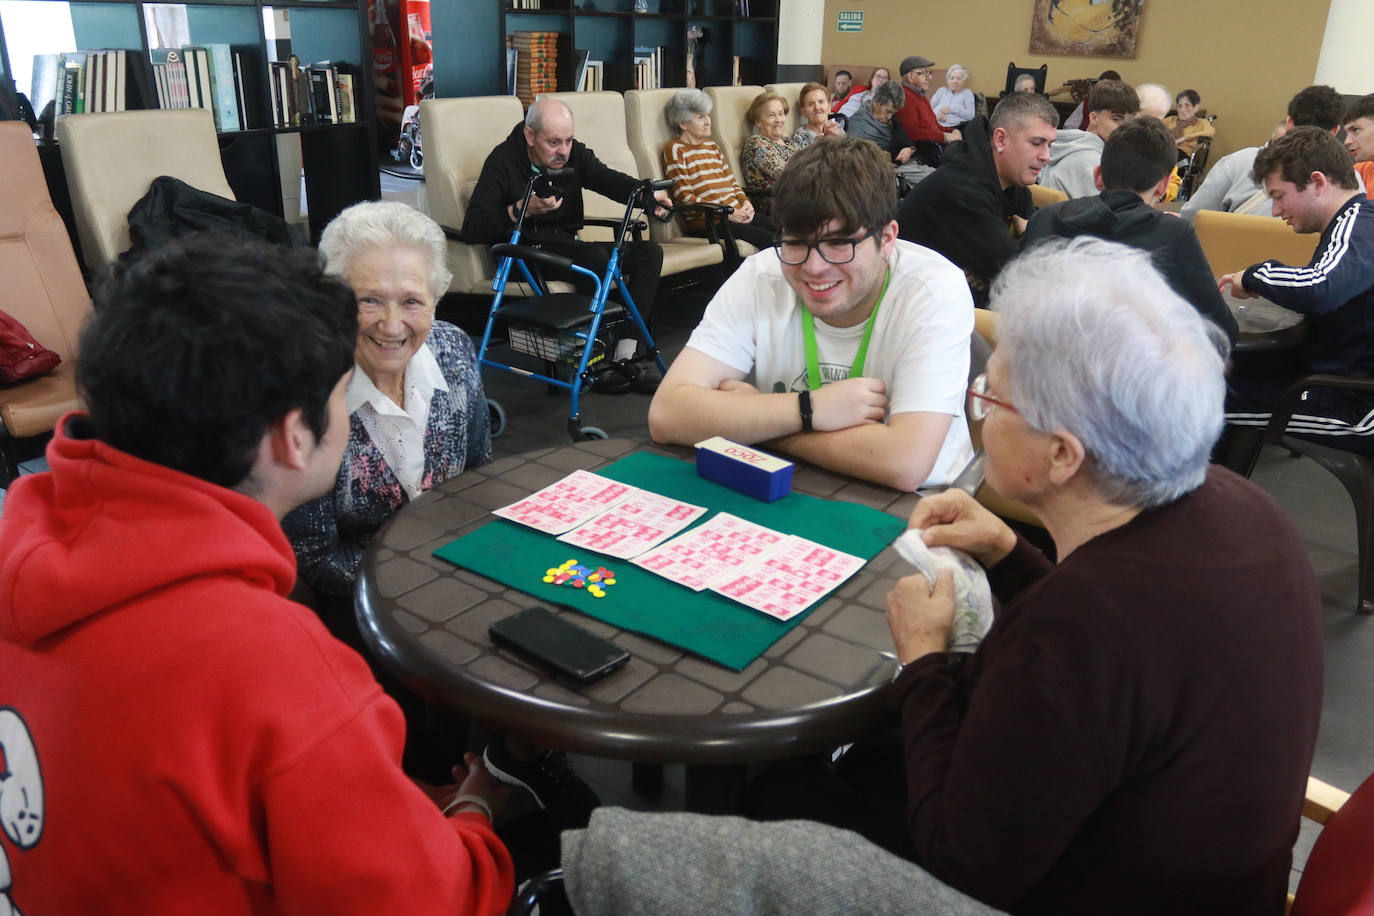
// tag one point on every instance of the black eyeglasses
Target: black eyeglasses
(833, 251)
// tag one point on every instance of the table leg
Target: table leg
(647, 779)
(716, 788)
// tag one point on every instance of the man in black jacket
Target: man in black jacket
(1311, 182)
(1137, 161)
(976, 204)
(545, 141)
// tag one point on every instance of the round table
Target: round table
(820, 686)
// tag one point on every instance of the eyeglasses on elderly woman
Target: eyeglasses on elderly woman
(981, 403)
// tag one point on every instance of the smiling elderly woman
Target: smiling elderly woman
(1134, 733)
(953, 102)
(767, 150)
(418, 413)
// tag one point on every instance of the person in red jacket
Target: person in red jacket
(916, 117)
(176, 736)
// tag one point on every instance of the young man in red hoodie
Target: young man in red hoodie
(177, 736)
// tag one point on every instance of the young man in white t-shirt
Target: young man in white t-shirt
(880, 395)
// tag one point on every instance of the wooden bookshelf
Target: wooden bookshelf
(611, 31)
(339, 161)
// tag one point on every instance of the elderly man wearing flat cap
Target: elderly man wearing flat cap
(916, 117)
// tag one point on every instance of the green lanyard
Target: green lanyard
(813, 367)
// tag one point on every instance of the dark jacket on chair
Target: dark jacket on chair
(1121, 216)
(502, 182)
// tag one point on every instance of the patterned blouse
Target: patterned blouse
(331, 534)
(763, 160)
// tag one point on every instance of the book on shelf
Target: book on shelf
(512, 58)
(72, 99)
(222, 90)
(173, 88)
(244, 76)
(305, 110)
(99, 80)
(580, 70)
(322, 98)
(348, 109)
(595, 75)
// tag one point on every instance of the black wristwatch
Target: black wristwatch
(804, 404)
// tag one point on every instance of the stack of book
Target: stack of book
(82, 81)
(648, 72)
(536, 66)
(209, 76)
(321, 93)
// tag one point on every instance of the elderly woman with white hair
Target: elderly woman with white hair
(701, 175)
(953, 102)
(417, 410)
(1134, 732)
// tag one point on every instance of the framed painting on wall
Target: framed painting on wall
(1096, 28)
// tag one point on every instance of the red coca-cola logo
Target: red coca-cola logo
(383, 59)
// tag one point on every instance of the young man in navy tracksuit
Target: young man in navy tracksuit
(1309, 177)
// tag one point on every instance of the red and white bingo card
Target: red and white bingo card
(564, 505)
(635, 525)
(791, 578)
(713, 551)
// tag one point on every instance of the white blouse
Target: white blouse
(399, 433)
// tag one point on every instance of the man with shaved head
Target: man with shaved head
(543, 143)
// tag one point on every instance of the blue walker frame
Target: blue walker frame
(513, 252)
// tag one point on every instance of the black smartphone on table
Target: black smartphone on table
(559, 644)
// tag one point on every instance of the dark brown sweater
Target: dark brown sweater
(1134, 734)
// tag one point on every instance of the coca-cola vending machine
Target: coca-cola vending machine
(403, 70)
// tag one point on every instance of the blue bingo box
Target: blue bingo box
(740, 467)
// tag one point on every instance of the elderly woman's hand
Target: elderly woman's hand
(921, 618)
(904, 156)
(743, 214)
(955, 519)
(831, 128)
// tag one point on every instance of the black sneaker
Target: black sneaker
(644, 375)
(611, 381)
(550, 779)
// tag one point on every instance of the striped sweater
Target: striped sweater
(700, 176)
(1335, 291)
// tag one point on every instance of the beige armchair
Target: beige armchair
(42, 288)
(792, 93)
(1234, 241)
(730, 126)
(648, 134)
(111, 157)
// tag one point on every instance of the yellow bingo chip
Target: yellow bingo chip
(548, 578)
(610, 582)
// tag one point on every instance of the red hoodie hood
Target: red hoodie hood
(103, 527)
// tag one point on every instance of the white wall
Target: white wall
(1344, 60)
(800, 24)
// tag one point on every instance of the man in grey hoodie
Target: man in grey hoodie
(1076, 153)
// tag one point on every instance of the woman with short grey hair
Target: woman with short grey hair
(418, 412)
(954, 103)
(701, 175)
(873, 121)
(1124, 684)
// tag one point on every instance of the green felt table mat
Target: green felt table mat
(703, 623)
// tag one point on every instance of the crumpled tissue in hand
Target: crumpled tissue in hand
(972, 594)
